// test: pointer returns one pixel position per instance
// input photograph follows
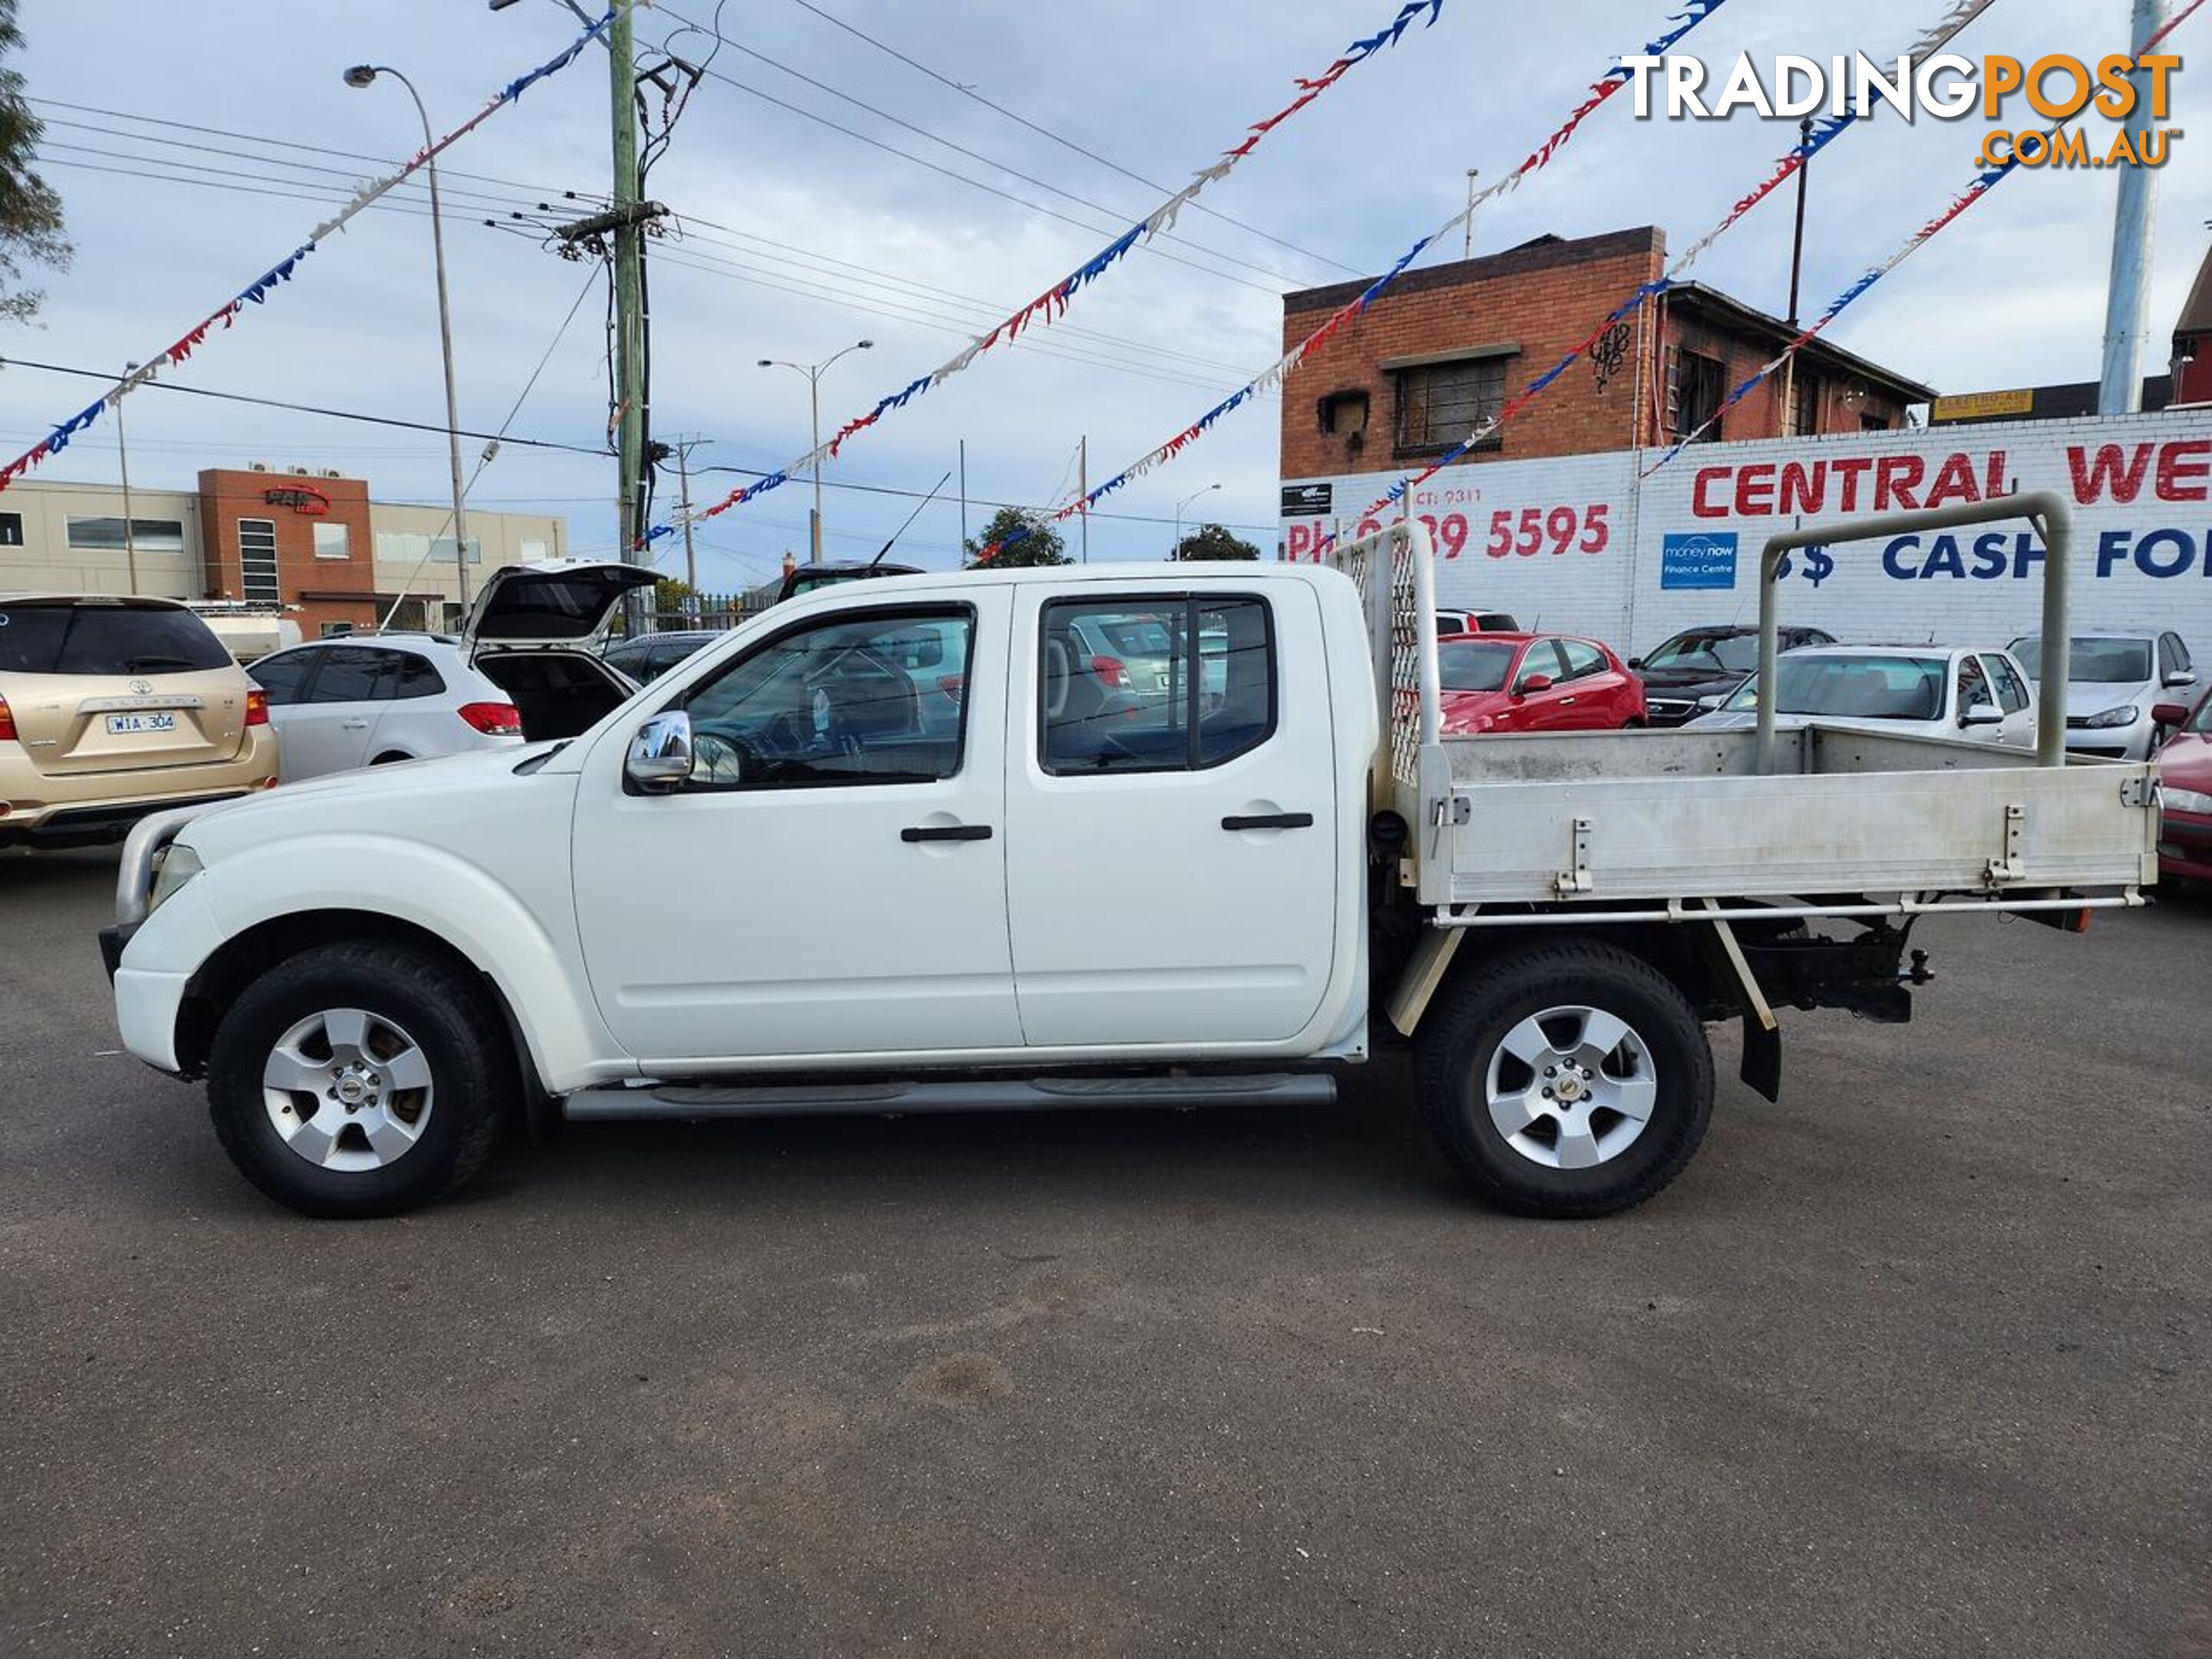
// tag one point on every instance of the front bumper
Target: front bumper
(112, 943)
(2184, 846)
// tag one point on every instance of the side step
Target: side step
(1044, 1094)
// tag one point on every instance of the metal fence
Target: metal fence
(703, 611)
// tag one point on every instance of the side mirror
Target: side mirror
(2180, 676)
(1535, 683)
(2171, 715)
(1983, 713)
(660, 758)
(1637, 663)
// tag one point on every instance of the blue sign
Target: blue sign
(1697, 559)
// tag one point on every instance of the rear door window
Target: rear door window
(353, 673)
(106, 639)
(1123, 690)
(1543, 658)
(1973, 684)
(1582, 658)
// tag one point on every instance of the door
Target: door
(1171, 856)
(1593, 696)
(832, 880)
(326, 727)
(1555, 708)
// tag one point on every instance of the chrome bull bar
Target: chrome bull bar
(134, 876)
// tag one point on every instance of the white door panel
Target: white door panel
(1137, 916)
(829, 920)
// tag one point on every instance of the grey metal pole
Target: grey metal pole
(2127, 302)
(690, 555)
(1083, 490)
(445, 346)
(2045, 510)
(123, 461)
(963, 498)
(1473, 173)
(814, 397)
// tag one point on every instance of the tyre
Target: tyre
(360, 1079)
(1566, 1080)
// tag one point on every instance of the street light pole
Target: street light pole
(123, 461)
(362, 74)
(813, 372)
(1176, 550)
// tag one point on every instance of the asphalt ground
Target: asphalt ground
(1914, 1363)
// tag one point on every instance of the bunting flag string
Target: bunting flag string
(1615, 78)
(257, 291)
(1048, 307)
(1823, 134)
(1983, 183)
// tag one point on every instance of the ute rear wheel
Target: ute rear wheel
(360, 1079)
(1566, 1080)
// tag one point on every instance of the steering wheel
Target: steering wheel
(720, 760)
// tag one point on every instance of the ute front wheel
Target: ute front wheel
(360, 1079)
(1566, 1080)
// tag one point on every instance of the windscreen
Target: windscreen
(106, 639)
(1472, 666)
(1879, 688)
(2095, 661)
(1723, 654)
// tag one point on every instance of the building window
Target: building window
(11, 530)
(104, 535)
(331, 541)
(1805, 406)
(1440, 403)
(410, 549)
(1700, 384)
(1344, 412)
(337, 630)
(257, 561)
(1874, 422)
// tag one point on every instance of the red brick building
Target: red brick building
(2192, 342)
(1445, 346)
(295, 539)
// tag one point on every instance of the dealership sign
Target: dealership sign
(1581, 542)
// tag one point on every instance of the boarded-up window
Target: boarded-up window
(1440, 405)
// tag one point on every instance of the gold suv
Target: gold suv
(112, 707)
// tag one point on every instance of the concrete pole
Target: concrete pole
(814, 400)
(122, 461)
(2127, 304)
(1083, 488)
(629, 280)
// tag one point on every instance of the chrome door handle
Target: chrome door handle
(1564, 702)
(946, 832)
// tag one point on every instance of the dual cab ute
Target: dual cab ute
(828, 865)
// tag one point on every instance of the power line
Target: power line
(969, 92)
(304, 409)
(962, 149)
(386, 162)
(1149, 247)
(482, 201)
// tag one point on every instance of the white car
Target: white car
(1976, 693)
(2114, 682)
(523, 669)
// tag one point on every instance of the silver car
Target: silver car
(2114, 682)
(523, 669)
(1971, 694)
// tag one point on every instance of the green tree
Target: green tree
(30, 212)
(669, 594)
(1042, 545)
(1211, 541)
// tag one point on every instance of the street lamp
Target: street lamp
(813, 373)
(362, 74)
(1176, 550)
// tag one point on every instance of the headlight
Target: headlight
(180, 864)
(2123, 715)
(1713, 703)
(2185, 800)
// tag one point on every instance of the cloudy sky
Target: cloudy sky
(828, 191)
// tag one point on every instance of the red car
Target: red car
(1535, 683)
(2185, 766)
